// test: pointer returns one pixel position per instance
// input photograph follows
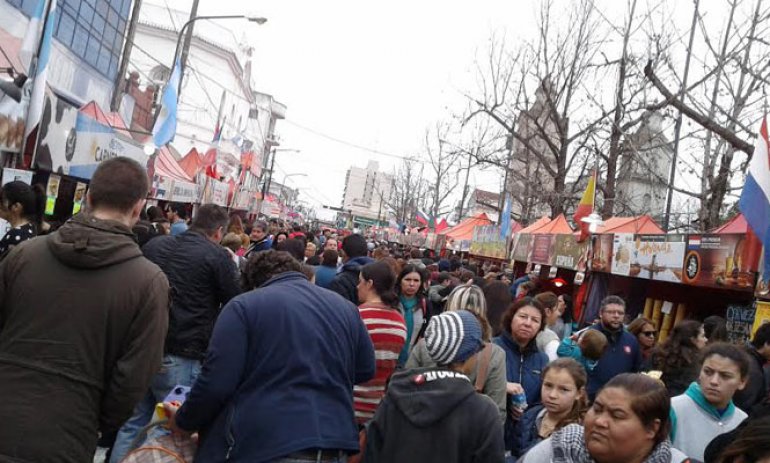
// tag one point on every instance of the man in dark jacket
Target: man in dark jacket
(756, 389)
(82, 321)
(260, 239)
(435, 414)
(278, 377)
(622, 355)
(354, 256)
(202, 278)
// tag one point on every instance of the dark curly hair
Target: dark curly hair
(263, 266)
(679, 351)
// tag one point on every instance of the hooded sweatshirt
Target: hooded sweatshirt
(434, 415)
(82, 321)
(346, 282)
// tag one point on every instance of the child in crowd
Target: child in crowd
(564, 402)
(586, 347)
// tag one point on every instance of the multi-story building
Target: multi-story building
(530, 184)
(485, 202)
(644, 169)
(367, 191)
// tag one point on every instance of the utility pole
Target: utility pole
(120, 77)
(187, 41)
(465, 187)
(678, 126)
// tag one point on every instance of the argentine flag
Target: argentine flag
(165, 126)
(755, 198)
(32, 36)
(37, 96)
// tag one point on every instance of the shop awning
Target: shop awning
(165, 164)
(642, 224)
(464, 229)
(112, 119)
(534, 226)
(192, 163)
(557, 226)
(737, 224)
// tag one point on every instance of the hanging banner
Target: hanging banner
(219, 192)
(184, 192)
(721, 261)
(570, 254)
(542, 249)
(486, 242)
(12, 116)
(654, 257)
(77, 200)
(602, 253)
(161, 187)
(17, 175)
(51, 192)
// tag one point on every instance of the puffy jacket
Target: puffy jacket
(265, 244)
(82, 321)
(623, 355)
(346, 282)
(524, 367)
(201, 275)
(526, 434)
(279, 374)
(325, 275)
(433, 415)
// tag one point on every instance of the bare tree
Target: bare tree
(443, 170)
(408, 190)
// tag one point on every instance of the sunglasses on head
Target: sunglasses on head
(648, 333)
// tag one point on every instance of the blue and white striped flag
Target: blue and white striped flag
(32, 37)
(165, 126)
(37, 96)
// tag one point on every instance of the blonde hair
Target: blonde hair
(232, 241)
(471, 298)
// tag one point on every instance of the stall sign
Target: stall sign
(487, 243)
(184, 192)
(523, 248)
(17, 175)
(570, 254)
(740, 319)
(542, 249)
(761, 316)
(162, 187)
(602, 253)
(721, 261)
(655, 257)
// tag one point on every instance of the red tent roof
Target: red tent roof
(737, 224)
(464, 229)
(191, 163)
(516, 227)
(535, 225)
(166, 165)
(112, 119)
(642, 224)
(557, 226)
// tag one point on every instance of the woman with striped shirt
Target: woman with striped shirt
(386, 326)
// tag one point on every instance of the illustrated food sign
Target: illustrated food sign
(570, 254)
(602, 253)
(722, 261)
(655, 257)
(487, 243)
(542, 249)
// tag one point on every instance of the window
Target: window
(92, 29)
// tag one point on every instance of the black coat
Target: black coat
(756, 387)
(202, 277)
(346, 282)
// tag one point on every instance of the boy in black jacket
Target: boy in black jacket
(434, 414)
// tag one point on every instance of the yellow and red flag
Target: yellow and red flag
(586, 207)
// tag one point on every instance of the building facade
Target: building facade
(366, 194)
(644, 170)
(486, 202)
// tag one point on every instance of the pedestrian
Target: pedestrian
(526, 289)
(715, 329)
(488, 375)
(279, 373)
(706, 409)
(294, 246)
(177, 215)
(279, 238)
(232, 244)
(756, 389)
(565, 307)
(547, 340)
(310, 249)
(260, 240)
(498, 300)
(202, 278)
(443, 281)
(82, 321)
(719, 445)
(628, 422)
(564, 402)
(644, 331)
(414, 305)
(523, 362)
(331, 243)
(325, 273)
(677, 358)
(434, 414)
(22, 206)
(586, 347)
(752, 444)
(354, 256)
(386, 327)
(622, 354)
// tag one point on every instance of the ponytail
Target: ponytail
(31, 198)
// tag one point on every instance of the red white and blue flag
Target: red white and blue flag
(422, 217)
(755, 198)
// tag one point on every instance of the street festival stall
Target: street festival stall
(459, 237)
(656, 272)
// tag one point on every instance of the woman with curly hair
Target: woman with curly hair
(677, 358)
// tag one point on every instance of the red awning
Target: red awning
(464, 229)
(737, 224)
(166, 165)
(113, 119)
(642, 224)
(534, 226)
(191, 163)
(557, 226)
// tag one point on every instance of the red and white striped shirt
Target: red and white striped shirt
(387, 329)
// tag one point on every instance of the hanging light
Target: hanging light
(594, 221)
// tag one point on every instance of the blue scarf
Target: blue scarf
(696, 394)
(408, 304)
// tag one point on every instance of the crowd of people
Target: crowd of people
(305, 345)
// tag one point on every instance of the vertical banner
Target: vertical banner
(80, 194)
(52, 192)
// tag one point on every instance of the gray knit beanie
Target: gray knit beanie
(453, 337)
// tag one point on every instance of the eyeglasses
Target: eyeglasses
(648, 333)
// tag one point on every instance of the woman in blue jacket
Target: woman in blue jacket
(524, 364)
